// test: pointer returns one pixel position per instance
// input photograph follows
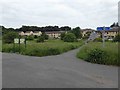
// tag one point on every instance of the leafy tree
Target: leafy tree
(113, 25)
(46, 37)
(117, 38)
(69, 37)
(31, 37)
(65, 28)
(62, 35)
(40, 39)
(117, 24)
(77, 32)
(9, 37)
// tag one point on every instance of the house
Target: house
(85, 31)
(109, 34)
(37, 33)
(54, 34)
(21, 33)
(28, 33)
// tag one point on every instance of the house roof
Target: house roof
(37, 31)
(28, 31)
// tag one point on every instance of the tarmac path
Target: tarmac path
(60, 71)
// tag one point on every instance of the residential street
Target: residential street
(61, 71)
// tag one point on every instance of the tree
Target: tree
(40, 39)
(46, 37)
(117, 25)
(62, 35)
(31, 37)
(77, 32)
(113, 25)
(117, 38)
(65, 28)
(9, 37)
(69, 37)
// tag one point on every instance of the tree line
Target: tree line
(35, 28)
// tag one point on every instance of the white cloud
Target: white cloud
(83, 13)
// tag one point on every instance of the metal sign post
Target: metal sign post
(103, 38)
(102, 29)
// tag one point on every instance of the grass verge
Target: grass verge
(95, 53)
(50, 47)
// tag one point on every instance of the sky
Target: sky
(73, 13)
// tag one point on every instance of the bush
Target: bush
(35, 36)
(117, 38)
(31, 37)
(69, 37)
(98, 40)
(40, 39)
(9, 37)
(62, 36)
(96, 56)
(46, 37)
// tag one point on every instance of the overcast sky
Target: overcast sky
(82, 13)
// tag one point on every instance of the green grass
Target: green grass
(111, 50)
(50, 47)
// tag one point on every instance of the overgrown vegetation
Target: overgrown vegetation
(117, 38)
(9, 37)
(50, 47)
(95, 53)
(98, 39)
(31, 37)
(40, 39)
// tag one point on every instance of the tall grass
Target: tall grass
(50, 47)
(110, 50)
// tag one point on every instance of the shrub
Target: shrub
(35, 36)
(117, 38)
(96, 56)
(9, 37)
(40, 39)
(31, 37)
(69, 37)
(62, 36)
(46, 37)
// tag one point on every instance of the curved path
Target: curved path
(60, 71)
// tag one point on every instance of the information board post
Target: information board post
(19, 41)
